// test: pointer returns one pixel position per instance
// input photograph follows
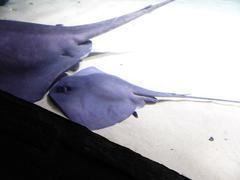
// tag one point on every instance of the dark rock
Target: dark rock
(211, 139)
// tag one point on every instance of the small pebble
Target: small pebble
(211, 139)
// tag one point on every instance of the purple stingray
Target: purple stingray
(33, 56)
(97, 100)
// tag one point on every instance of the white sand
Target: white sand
(185, 47)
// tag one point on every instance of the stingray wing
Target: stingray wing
(95, 29)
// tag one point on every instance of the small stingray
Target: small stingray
(97, 100)
(33, 56)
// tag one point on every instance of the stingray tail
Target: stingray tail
(88, 31)
(146, 92)
(168, 96)
(211, 99)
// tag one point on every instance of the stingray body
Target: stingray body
(33, 56)
(97, 100)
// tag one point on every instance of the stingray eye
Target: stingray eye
(66, 53)
(62, 89)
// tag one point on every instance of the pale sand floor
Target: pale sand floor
(184, 47)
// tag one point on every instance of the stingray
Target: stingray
(34, 56)
(97, 100)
